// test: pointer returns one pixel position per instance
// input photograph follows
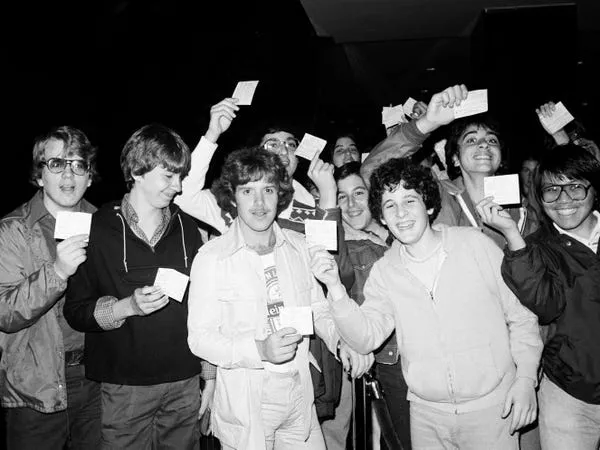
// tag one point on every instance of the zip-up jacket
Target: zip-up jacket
(558, 278)
(462, 343)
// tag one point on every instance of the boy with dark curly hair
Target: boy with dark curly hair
(469, 349)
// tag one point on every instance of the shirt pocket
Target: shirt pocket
(239, 313)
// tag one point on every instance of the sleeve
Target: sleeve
(205, 338)
(524, 333)
(24, 297)
(83, 296)
(366, 327)
(537, 279)
(194, 199)
(403, 142)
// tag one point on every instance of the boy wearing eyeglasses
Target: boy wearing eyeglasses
(47, 399)
(555, 272)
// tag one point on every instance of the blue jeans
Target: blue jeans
(566, 422)
(161, 416)
(77, 428)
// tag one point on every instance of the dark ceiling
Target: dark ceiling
(110, 66)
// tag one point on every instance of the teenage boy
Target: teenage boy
(240, 282)
(469, 349)
(555, 272)
(136, 336)
(47, 399)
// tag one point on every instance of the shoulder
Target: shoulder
(470, 237)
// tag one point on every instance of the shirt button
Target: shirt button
(60, 386)
(391, 353)
(568, 243)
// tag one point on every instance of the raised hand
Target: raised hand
(221, 116)
(439, 110)
(70, 253)
(321, 173)
(323, 266)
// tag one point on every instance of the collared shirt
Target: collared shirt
(133, 219)
(592, 241)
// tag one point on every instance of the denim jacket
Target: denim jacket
(363, 254)
(32, 367)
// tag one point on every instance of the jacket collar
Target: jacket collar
(235, 239)
(38, 209)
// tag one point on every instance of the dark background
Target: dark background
(109, 67)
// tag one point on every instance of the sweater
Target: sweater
(144, 350)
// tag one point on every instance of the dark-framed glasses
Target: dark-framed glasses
(575, 191)
(275, 144)
(58, 165)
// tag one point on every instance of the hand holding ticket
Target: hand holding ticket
(298, 317)
(172, 283)
(71, 224)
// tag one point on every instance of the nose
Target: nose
(176, 183)
(563, 197)
(68, 172)
(259, 199)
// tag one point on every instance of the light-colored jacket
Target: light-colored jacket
(461, 345)
(226, 299)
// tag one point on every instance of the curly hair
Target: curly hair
(402, 172)
(251, 164)
(151, 146)
(572, 162)
(75, 142)
(457, 129)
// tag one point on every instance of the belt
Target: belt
(74, 357)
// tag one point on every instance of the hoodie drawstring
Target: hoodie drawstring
(185, 258)
(124, 243)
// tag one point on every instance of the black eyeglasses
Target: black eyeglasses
(275, 144)
(58, 165)
(575, 191)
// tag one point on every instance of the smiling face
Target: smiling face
(287, 155)
(62, 191)
(479, 151)
(571, 215)
(157, 187)
(345, 151)
(256, 203)
(405, 214)
(353, 200)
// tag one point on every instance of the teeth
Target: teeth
(566, 212)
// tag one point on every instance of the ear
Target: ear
(430, 211)
(40, 182)
(383, 221)
(455, 161)
(89, 183)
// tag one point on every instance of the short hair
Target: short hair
(568, 161)
(75, 142)
(402, 172)
(458, 128)
(151, 146)
(256, 138)
(342, 172)
(251, 164)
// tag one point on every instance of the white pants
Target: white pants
(282, 411)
